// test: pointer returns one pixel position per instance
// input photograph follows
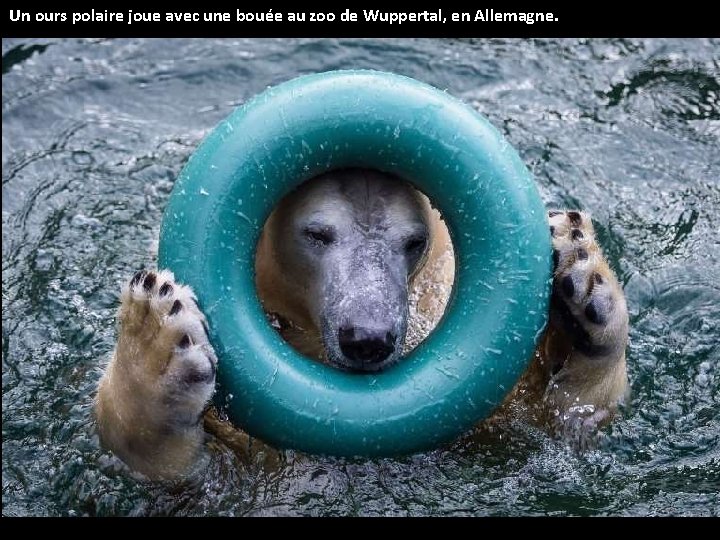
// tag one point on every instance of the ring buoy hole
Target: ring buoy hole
(429, 282)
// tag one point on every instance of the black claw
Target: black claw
(598, 278)
(166, 289)
(581, 254)
(137, 277)
(577, 234)
(176, 307)
(149, 282)
(568, 286)
(593, 315)
(575, 218)
(556, 258)
(553, 213)
(185, 342)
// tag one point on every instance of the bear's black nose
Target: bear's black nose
(366, 345)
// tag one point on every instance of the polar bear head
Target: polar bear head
(337, 255)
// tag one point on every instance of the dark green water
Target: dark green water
(94, 133)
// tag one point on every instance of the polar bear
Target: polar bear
(354, 267)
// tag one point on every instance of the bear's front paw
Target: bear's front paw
(163, 345)
(587, 301)
(153, 393)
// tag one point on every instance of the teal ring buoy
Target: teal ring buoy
(490, 203)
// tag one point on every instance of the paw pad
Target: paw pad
(592, 313)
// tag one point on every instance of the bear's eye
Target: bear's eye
(415, 245)
(320, 236)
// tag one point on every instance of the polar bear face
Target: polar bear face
(348, 242)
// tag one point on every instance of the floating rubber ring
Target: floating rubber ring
(499, 305)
